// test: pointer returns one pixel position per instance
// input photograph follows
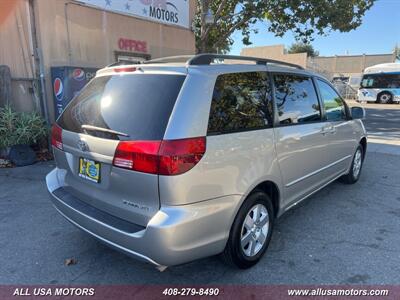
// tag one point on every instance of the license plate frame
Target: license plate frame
(89, 169)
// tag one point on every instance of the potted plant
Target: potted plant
(19, 131)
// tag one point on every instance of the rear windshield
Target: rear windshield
(138, 105)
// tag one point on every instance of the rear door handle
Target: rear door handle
(328, 129)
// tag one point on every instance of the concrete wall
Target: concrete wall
(74, 34)
(276, 52)
(16, 52)
(347, 65)
(329, 66)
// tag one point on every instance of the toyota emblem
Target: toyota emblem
(83, 146)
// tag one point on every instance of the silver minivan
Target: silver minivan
(172, 161)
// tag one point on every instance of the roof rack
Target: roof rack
(208, 58)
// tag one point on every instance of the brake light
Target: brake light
(167, 157)
(56, 137)
(140, 156)
(179, 156)
(126, 69)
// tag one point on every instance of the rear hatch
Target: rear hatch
(111, 110)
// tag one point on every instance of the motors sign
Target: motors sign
(172, 12)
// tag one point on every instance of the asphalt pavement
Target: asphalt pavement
(342, 234)
(383, 120)
(383, 126)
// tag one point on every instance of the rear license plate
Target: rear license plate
(89, 169)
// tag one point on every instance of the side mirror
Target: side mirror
(358, 112)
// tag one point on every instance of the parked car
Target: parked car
(171, 162)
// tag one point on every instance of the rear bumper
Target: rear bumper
(175, 235)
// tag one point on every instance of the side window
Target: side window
(333, 104)
(296, 99)
(241, 101)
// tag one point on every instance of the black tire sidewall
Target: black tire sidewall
(352, 163)
(385, 93)
(240, 259)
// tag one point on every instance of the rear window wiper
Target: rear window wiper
(95, 128)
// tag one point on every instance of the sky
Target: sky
(379, 33)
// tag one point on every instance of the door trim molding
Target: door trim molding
(316, 171)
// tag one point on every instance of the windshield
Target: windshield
(381, 81)
(138, 105)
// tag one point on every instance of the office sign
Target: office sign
(132, 45)
(172, 12)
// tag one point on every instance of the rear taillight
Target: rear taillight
(179, 156)
(56, 137)
(168, 157)
(141, 156)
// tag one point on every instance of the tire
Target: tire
(252, 250)
(356, 167)
(385, 98)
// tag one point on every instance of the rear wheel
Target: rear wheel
(385, 98)
(251, 231)
(356, 166)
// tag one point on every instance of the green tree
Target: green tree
(304, 18)
(301, 47)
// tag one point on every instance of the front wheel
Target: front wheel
(251, 231)
(356, 166)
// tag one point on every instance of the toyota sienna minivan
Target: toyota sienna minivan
(172, 161)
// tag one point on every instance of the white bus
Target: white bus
(380, 84)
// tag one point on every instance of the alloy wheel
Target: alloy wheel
(357, 163)
(254, 230)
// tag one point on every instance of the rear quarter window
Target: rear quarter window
(136, 104)
(240, 102)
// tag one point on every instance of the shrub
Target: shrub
(20, 128)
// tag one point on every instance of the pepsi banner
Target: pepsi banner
(171, 12)
(67, 83)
